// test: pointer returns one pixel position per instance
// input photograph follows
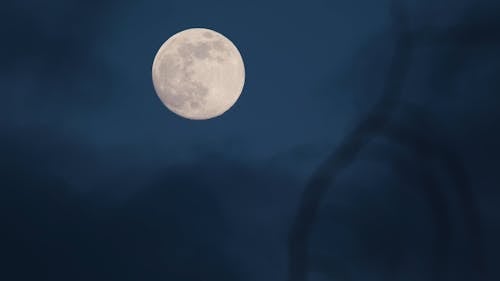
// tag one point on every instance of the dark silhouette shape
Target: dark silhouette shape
(376, 124)
(348, 149)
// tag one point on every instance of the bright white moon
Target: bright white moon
(198, 73)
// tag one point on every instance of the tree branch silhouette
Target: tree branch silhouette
(348, 149)
(375, 124)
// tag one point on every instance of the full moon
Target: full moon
(198, 74)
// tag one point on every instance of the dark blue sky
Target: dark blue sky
(101, 182)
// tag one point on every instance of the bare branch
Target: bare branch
(348, 149)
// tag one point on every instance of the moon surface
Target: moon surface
(198, 73)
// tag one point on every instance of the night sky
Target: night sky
(364, 145)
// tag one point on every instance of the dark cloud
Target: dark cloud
(196, 221)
